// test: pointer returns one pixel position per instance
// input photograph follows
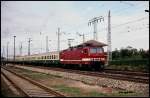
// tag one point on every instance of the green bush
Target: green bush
(130, 64)
(133, 62)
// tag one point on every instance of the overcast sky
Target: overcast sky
(26, 19)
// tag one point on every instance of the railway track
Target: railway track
(114, 74)
(28, 87)
(126, 72)
(119, 76)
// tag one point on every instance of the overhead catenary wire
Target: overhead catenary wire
(79, 25)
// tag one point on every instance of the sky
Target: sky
(26, 19)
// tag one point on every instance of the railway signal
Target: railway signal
(94, 21)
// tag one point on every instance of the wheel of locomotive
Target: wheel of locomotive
(95, 66)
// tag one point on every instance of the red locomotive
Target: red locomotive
(89, 54)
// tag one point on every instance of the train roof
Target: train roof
(92, 43)
(54, 52)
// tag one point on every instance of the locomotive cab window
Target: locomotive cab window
(93, 50)
(96, 50)
(100, 50)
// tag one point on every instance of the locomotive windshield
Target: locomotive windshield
(96, 50)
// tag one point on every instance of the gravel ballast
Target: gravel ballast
(93, 80)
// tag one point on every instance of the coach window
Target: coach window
(56, 56)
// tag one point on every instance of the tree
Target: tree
(115, 54)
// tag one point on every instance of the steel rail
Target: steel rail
(50, 90)
(14, 84)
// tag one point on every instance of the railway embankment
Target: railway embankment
(94, 80)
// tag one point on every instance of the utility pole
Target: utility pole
(69, 42)
(83, 36)
(29, 46)
(94, 21)
(14, 47)
(58, 33)
(109, 53)
(3, 53)
(20, 47)
(7, 51)
(46, 44)
(41, 41)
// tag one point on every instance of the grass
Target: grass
(96, 94)
(77, 92)
(129, 67)
(125, 94)
(35, 75)
(73, 91)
